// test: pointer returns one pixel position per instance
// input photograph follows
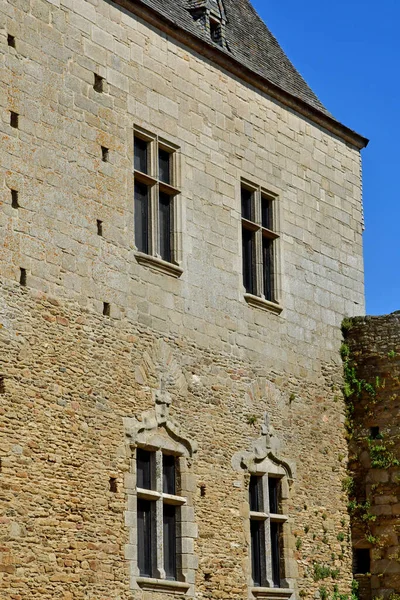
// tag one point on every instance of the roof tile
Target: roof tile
(248, 40)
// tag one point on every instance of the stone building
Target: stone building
(181, 236)
(372, 359)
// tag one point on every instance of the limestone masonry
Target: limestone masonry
(126, 332)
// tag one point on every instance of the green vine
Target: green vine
(360, 510)
(381, 456)
(354, 595)
(323, 592)
(354, 592)
(353, 386)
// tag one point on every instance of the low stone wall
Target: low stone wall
(372, 366)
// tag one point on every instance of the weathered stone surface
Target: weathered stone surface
(74, 532)
(72, 376)
(374, 344)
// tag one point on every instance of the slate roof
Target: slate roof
(249, 41)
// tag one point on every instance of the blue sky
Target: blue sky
(349, 53)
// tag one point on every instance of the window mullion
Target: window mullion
(153, 225)
(257, 207)
(160, 572)
(258, 258)
(267, 535)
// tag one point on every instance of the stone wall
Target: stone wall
(71, 377)
(374, 353)
(225, 130)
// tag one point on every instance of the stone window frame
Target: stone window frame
(254, 224)
(267, 469)
(151, 179)
(264, 459)
(156, 432)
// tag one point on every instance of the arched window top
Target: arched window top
(157, 430)
(264, 456)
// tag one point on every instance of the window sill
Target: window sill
(272, 593)
(162, 585)
(262, 303)
(159, 265)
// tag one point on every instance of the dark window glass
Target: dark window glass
(257, 552)
(268, 265)
(266, 213)
(164, 167)
(145, 538)
(141, 155)
(215, 32)
(248, 268)
(362, 561)
(165, 210)
(144, 462)
(142, 217)
(276, 553)
(274, 487)
(255, 494)
(169, 478)
(247, 197)
(169, 516)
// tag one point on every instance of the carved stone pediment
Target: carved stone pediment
(265, 455)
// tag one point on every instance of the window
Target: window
(160, 487)
(361, 561)
(257, 531)
(158, 514)
(210, 16)
(374, 433)
(272, 563)
(266, 522)
(259, 243)
(156, 199)
(216, 31)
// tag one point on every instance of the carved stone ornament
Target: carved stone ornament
(155, 428)
(264, 455)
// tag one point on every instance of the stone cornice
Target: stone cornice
(228, 62)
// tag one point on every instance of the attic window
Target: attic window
(216, 32)
(210, 17)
